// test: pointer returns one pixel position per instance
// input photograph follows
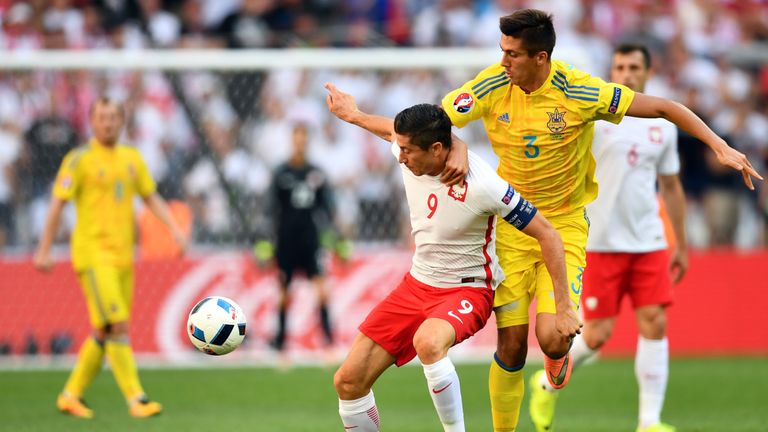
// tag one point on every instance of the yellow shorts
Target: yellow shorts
(527, 277)
(108, 294)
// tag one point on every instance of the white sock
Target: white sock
(580, 353)
(360, 414)
(651, 370)
(444, 387)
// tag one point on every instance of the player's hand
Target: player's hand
(340, 104)
(678, 265)
(42, 261)
(737, 160)
(457, 164)
(567, 323)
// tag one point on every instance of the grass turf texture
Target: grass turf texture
(704, 395)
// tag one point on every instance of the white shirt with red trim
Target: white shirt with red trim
(454, 227)
(630, 156)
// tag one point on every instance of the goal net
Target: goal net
(213, 126)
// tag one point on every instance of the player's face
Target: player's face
(519, 67)
(629, 70)
(107, 122)
(419, 161)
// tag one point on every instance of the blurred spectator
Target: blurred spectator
(246, 117)
(245, 179)
(162, 27)
(9, 152)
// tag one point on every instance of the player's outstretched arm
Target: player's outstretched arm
(566, 320)
(343, 106)
(655, 107)
(42, 258)
(159, 208)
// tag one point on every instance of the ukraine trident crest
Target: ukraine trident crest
(556, 124)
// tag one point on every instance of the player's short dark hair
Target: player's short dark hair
(424, 125)
(629, 47)
(534, 27)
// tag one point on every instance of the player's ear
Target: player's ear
(436, 147)
(541, 57)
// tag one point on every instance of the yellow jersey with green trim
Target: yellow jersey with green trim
(543, 139)
(103, 181)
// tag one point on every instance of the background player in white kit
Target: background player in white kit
(448, 294)
(626, 250)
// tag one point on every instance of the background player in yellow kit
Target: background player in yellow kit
(102, 177)
(538, 114)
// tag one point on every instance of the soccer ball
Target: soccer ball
(216, 325)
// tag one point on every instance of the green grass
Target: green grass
(703, 395)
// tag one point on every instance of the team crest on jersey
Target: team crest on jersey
(556, 123)
(463, 103)
(459, 193)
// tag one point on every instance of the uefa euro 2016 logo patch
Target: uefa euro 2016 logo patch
(463, 103)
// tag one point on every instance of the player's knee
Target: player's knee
(117, 330)
(512, 351)
(653, 323)
(429, 346)
(596, 336)
(348, 385)
(555, 348)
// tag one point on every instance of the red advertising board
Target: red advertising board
(718, 307)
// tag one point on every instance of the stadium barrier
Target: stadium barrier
(718, 307)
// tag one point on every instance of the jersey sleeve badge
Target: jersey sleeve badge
(463, 103)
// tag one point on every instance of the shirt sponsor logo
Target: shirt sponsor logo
(615, 100)
(463, 103)
(508, 196)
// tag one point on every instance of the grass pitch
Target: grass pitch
(724, 394)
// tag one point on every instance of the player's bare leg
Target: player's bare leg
(506, 384)
(365, 362)
(652, 367)
(432, 341)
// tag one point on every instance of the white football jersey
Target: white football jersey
(630, 156)
(454, 228)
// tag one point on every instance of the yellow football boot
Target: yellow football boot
(542, 403)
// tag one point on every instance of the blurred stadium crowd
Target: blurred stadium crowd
(212, 139)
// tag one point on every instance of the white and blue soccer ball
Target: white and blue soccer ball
(216, 325)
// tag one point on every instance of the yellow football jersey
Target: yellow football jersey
(102, 181)
(543, 139)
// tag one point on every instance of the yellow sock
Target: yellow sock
(87, 367)
(506, 387)
(124, 368)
